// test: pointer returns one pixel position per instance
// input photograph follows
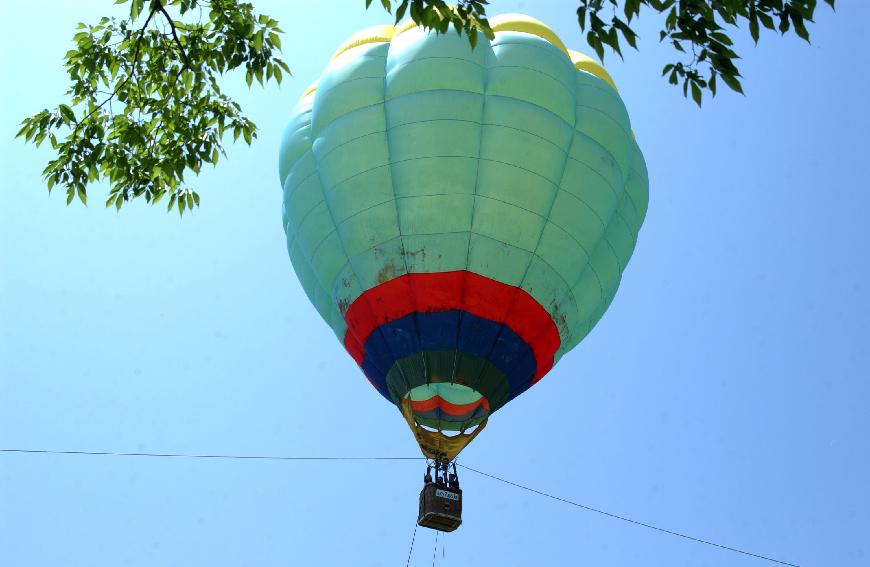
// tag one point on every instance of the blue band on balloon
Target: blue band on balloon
(448, 330)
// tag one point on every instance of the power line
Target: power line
(517, 485)
(196, 456)
(629, 520)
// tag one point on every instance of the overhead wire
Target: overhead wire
(208, 456)
(466, 467)
(629, 520)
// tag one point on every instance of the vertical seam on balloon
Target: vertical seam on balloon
(331, 292)
(558, 188)
(602, 296)
(606, 115)
(308, 262)
(589, 266)
(603, 299)
(534, 253)
(399, 222)
(307, 115)
(642, 176)
(474, 196)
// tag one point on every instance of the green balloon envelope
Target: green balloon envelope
(460, 217)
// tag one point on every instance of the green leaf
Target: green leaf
(753, 26)
(799, 27)
(136, 9)
(671, 21)
(696, 93)
(627, 32)
(67, 113)
(721, 38)
(733, 83)
(400, 11)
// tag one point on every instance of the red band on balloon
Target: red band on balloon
(449, 291)
(437, 402)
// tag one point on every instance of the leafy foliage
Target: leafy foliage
(696, 28)
(145, 106)
(145, 102)
(465, 16)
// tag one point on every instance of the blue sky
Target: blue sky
(724, 394)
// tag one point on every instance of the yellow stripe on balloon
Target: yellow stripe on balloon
(586, 63)
(527, 24)
(376, 34)
(409, 25)
(311, 88)
(501, 23)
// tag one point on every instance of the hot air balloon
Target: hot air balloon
(461, 217)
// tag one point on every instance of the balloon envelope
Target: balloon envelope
(460, 217)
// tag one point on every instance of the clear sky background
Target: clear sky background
(725, 393)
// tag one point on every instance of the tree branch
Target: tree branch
(126, 80)
(159, 6)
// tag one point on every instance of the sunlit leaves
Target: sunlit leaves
(465, 16)
(695, 28)
(691, 27)
(145, 107)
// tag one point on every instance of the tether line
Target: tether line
(629, 520)
(315, 458)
